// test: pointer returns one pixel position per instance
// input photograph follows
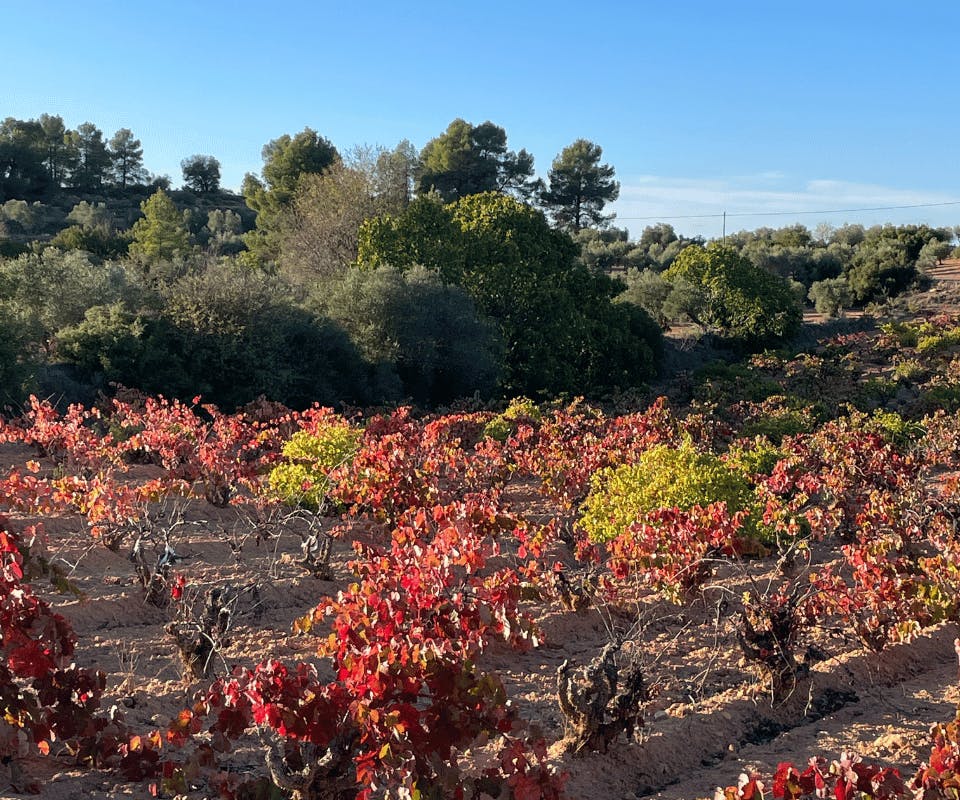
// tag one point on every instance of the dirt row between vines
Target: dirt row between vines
(878, 705)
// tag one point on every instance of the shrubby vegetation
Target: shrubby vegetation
(227, 334)
(739, 300)
(663, 477)
(309, 458)
(373, 275)
(421, 338)
(858, 264)
(560, 329)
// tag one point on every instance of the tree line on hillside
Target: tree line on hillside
(834, 268)
(40, 158)
(370, 275)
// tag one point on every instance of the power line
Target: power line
(791, 213)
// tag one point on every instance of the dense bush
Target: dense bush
(226, 334)
(302, 480)
(626, 347)
(44, 292)
(555, 315)
(425, 341)
(886, 261)
(880, 272)
(800, 261)
(663, 477)
(667, 301)
(242, 335)
(115, 345)
(742, 302)
(830, 296)
(520, 409)
(16, 364)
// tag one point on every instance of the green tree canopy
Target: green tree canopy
(425, 233)
(885, 262)
(59, 155)
(741, 301)
(126, 159)
(201, 174)
(830, 296)
(554, 314)
(23, 175)
(285, 160)
(579, 186)
(93, 161)
(665, 300)
(661, 234)
(161, 234)
(395, 175)
(222, 232)
(608, 249)
(468, 159)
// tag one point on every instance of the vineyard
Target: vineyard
(751, 584)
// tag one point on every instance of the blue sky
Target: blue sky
(701, 107)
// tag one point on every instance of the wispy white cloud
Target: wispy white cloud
(695, 205)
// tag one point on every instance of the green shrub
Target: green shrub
(503, 426)
(938, 340)
(743, 303)
(426, 339)
(302, 480)
(894, 428)
(664, 477)
(830, 296)
(560, 330)
(903, 333)
(909, 370)
(17, 365)
(753, 457)
(226, 334)
(777, 417)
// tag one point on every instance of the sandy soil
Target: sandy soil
(708, 721)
